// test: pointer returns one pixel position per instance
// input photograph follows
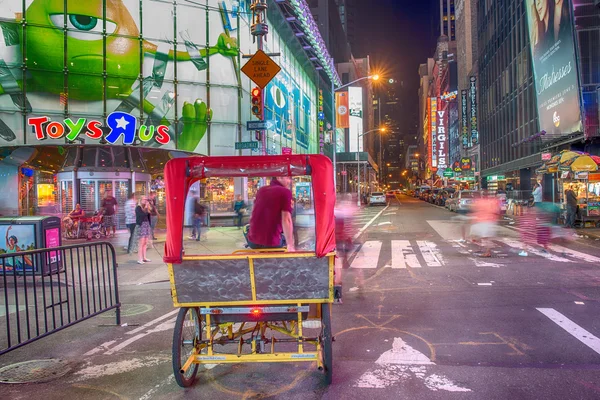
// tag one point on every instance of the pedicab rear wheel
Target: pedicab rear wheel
(326, 342)
(186, 335)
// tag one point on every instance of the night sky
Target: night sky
(398, 36)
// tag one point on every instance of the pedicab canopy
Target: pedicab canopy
(181, 173)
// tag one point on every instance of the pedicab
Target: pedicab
(251, 306)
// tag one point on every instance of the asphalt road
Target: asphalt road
(423, 317)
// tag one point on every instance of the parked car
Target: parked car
(424, 194)
(433, 195)
(377, 198)
(443, 196)
(390, 194)
(462, 201)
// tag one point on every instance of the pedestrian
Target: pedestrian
(485, 213)
(130, 220)
(240, 209)
(109, 205)
(153, 214)
(571, 200)
(537, 194)
(199, 215)
(142, 221)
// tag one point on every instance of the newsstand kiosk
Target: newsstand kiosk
(19, 234)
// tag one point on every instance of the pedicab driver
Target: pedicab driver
(272, 215)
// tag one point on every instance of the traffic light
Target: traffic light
(257, 103)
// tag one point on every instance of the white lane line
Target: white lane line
(403, 255)
(430, 253)
(572, 328)
(368, 255)
(100, 348)
(154, 321)
(575, 254)
(482, 263)
(165, 326)
(364, 228)
(551, 257)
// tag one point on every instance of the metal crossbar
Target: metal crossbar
(47, 290)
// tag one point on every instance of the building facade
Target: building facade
(97, 97)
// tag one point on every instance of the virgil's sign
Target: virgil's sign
(117, 124)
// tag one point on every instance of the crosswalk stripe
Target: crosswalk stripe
(518, 245)
(430, 253)
(403, 255)
(368, 255)
(575, 254)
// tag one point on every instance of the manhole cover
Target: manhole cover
(34, 371)
(128, 310)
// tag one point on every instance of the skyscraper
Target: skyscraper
(444, 20)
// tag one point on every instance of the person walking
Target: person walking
(240, 208)
(153, 214)
(486, 212)
(571, 199)
(199, 215)
(537, 194)
(130, 220)
(109, 204)
(142, 220)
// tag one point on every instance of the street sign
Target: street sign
(246, 145)
(448, 173)
(261, 69)
(257, 125)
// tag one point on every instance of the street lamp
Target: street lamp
(374, 77)
(382, 130)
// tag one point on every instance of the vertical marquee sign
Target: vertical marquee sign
(321, 124)
(442, 136)
(473, 95)
(433, 126)
(464, 115)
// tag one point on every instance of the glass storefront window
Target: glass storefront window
(220, 194)
(88, 158)
(105, 157)
(66, 196)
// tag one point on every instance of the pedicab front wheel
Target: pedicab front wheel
(187, 334)
(326, 342)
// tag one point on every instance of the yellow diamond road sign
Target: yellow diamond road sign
(261, 69)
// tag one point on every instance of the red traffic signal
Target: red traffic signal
(257, 103)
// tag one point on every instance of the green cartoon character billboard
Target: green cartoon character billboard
(97, 60)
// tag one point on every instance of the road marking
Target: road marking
(368, 255)
(403, 255)
(572, 328)
(102, 347)
(165, 326)
(430, 252)
(405, 364)
(154, 321)
(518, 245)
(484, 284)
(360, 232)
(483, 263)
(575, 254)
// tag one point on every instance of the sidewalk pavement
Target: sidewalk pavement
(220, 240)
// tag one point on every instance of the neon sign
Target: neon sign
(117, 124)
(433, 127)
(442, 138)
(449, 95)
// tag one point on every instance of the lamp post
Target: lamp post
(334, 138)
(358, 160)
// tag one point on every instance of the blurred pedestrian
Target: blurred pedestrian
(130, 220)
(536, 229)
(153, 214)
(239, 208)
(109, 205)
(142, 214)
(571, 200)
(485, 213)
(199, 216)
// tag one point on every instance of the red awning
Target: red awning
(181, 173)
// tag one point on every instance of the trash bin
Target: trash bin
(18, 234)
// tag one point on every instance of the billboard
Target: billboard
(342, 116)
(473, 111)
(552, 45)
(464, 119)
(442, 134)
(355, 98)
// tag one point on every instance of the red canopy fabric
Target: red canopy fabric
(180, 173)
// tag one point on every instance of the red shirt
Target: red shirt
(265, 223)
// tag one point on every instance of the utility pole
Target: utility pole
(259, 30)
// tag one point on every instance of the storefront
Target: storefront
(89, 112)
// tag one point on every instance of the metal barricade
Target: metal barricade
(37, 302)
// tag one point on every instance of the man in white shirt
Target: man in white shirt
(130, 205)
